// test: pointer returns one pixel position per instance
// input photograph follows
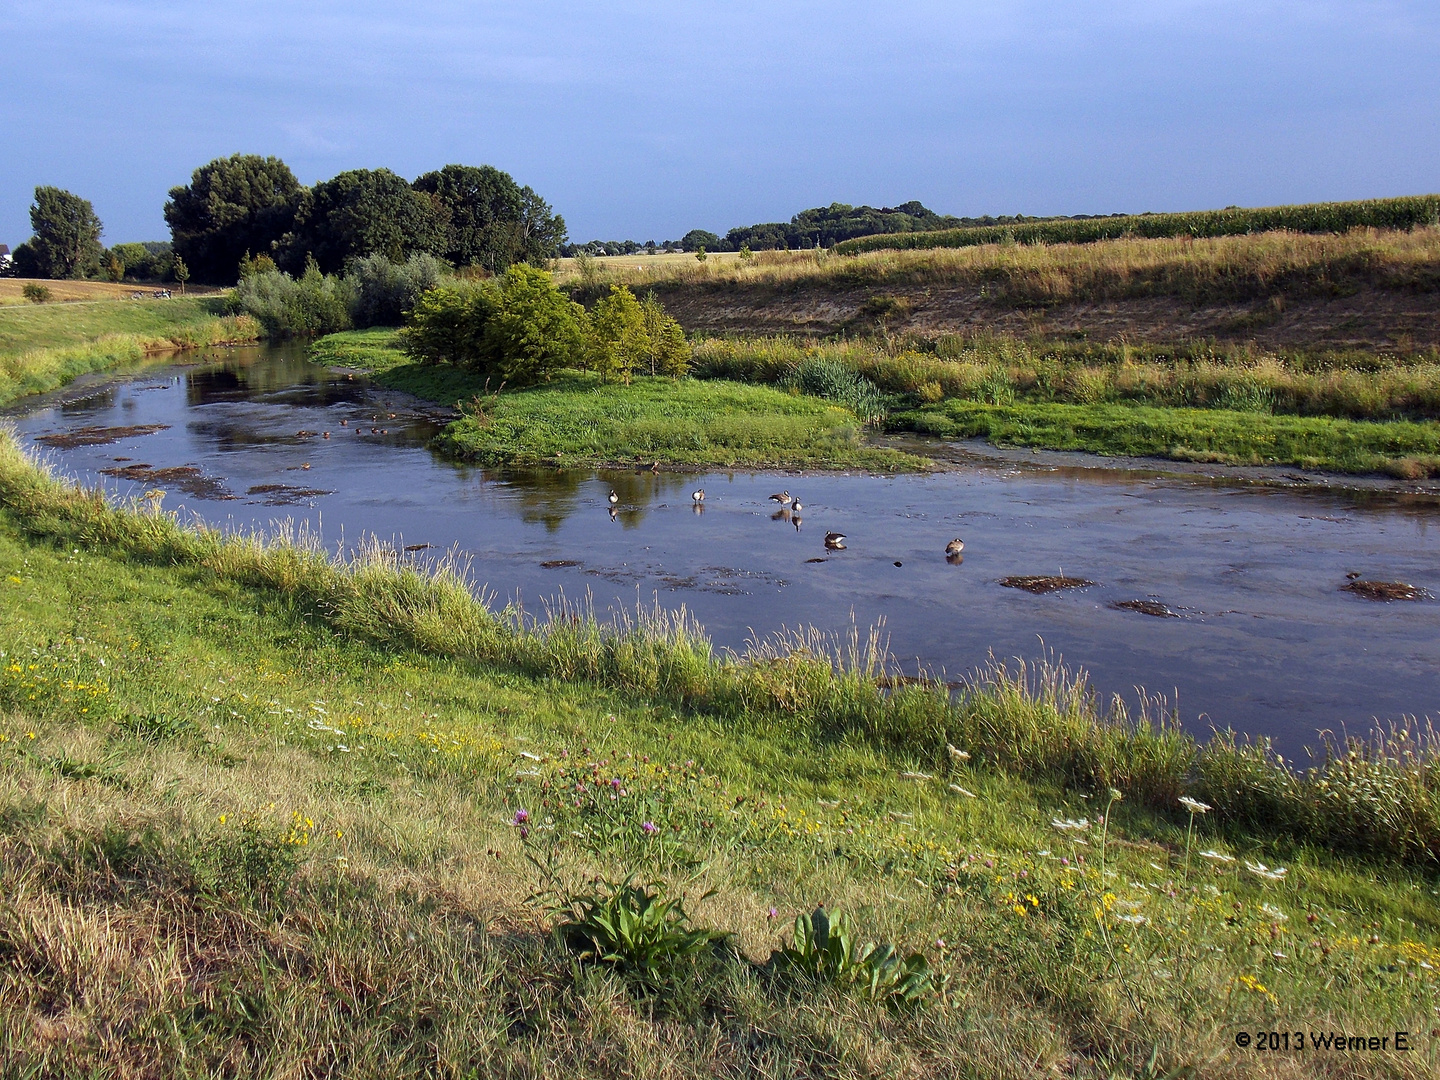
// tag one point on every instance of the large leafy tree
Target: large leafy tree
(232, 206)
(66, 243)
(490, 220)
(364, 212)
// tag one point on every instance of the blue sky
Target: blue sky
(641, 119)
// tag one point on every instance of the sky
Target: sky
(641, 120)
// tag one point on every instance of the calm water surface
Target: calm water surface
(1265, 640)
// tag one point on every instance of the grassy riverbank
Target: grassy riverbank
(258, 816)
(575, 420)
(45, 346)
(1406, 450)
(1353, 412)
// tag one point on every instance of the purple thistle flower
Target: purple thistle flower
(521, 816)
(650, 827)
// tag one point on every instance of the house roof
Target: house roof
(4, 249)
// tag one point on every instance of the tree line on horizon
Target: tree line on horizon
(246, 206)
(818, 227)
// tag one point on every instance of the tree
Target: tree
(669, 352)
(364, 212)
(181, 272)
(66, 243)
(114, 266)
(618, 336)
(534, 329)
(489, 220)
(448, 323)
(700, 240)
(231, 207)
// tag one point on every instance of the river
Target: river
(1235, 610)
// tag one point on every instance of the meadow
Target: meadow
(45, 346)
(1217, 270)
(264, 813)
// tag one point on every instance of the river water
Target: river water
(1258, 635)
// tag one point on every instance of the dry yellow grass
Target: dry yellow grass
(1238, 266)
(10, 290)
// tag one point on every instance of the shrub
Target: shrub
(447, 323)
(384, 290)
(37, 294)
(534, 328)
(315, 303)
(669, 351)
(618, 335)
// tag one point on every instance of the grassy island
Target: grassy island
(576, 420)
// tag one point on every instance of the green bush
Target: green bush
(314, 303)
(618, 337)
(37, 294)
(519, 327)
(383, 291)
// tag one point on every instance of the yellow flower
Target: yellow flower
(223, 817)
(1019, 909)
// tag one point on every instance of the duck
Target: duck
(612, 498)
(795, 505)
(698, 495)
(835, 541)
(344, 423)
(783, 498)
(955, 547)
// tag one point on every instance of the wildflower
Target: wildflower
(521, 817)
(1115, 795)
(339, 834)
(956, 754)
(649, 828)
(1273, 912)
(1195, 806)
(1217, 856)
(772, 913)
(1133, 920)
(1068, 824)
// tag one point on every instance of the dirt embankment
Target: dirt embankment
(1366, 319)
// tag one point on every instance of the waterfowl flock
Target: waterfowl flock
(789, 510)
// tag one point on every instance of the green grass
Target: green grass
(1404, 449)
(256, 810)
(575, 420)
(45, 346)
(1406, 212)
